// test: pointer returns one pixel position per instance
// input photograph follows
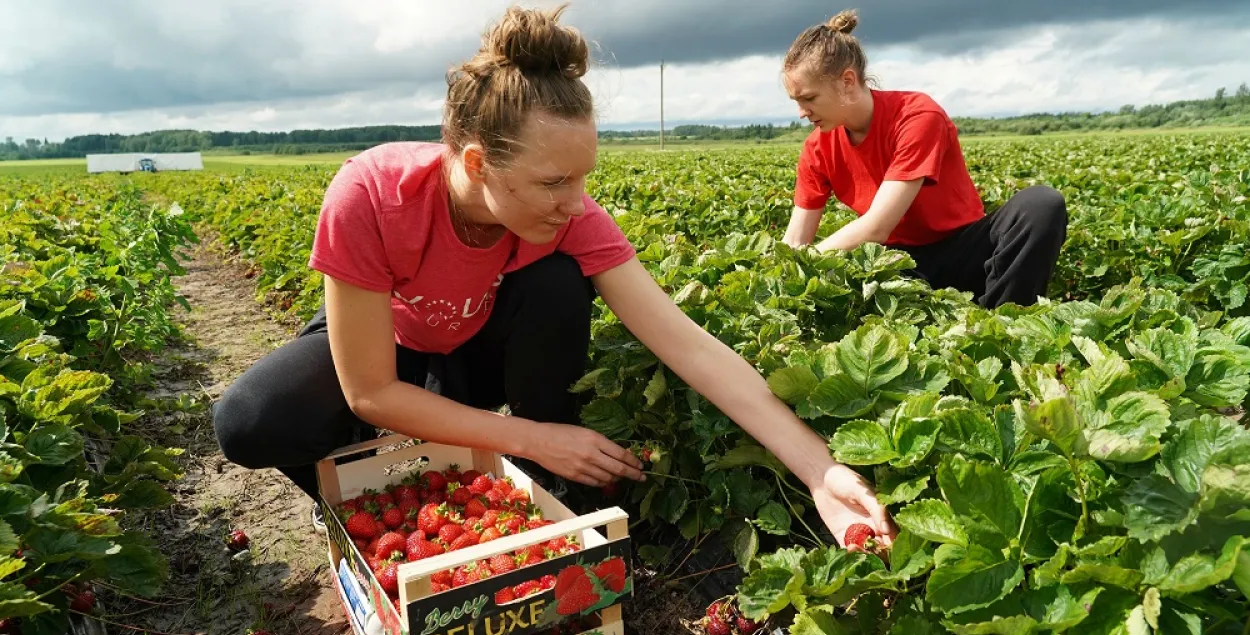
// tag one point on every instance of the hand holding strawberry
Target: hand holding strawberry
(844, 499)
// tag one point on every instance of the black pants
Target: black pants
(1008, 256)
(288, 410)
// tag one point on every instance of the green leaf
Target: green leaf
(826, 570)
(1241, 573)
(57, 544)
(1108, 615)
(773, 518)
(1103, 573)
(898, 491)
(70, 392)
(1131, 430)
(1013, 625)
(763, 592)
(871, 356)
(9, 541)
(671, 501)
(862, 443)
(748, 455)
(1217, 379)
(969, 579)
(18, 601)
(654, 555)
(588, 381)
(1107, 376)
(144, 495)
(1170, 352)
(932, 520)
(138, 568)
(1186, 455)
(1057, 609)
(1056, 421)
(793, 384)
(816, 620)
(839, 396)
(970, 432)
(1151, 606)
(1155, 507)
(745, 543)
(982, 492)
(15, 329)
(657, 388)
(1175, 619)
(608, 418)
(746, 493)
(914, 439)
(1226, 484)
(10, 565)
(54, 444)
(1198, 571)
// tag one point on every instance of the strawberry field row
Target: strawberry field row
(85, 282)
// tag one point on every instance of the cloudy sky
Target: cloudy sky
(72, 67)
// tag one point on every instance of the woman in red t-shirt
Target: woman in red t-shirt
(459, 278)
(894, 158)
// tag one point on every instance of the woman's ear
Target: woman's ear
(473, 157)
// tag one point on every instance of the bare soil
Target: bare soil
(281, 583)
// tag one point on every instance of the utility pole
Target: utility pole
(661, 104)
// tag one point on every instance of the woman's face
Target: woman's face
(544, 185)
(818, 97)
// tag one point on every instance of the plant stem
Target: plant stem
(1080, 487)
(790, 508)
(672, 476)
(133, 628)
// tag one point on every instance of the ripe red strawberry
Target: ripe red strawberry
(466, 539)
(517, 498)
(238, 540)
(494, 498)
(612, 573)
(504, 595)
(388, 544)
(480, 484)
(611, 491)
(424, 549)
(503, 485)
(433, 481)
(371, 549)
(83, 602)
(746, 626)
(535, 523)
(380, 527)
(558, 545)
(435, 497)
(364, 499)
(468, 574)
(467, 478)
(349, 506)
(392, 517)
(857, 534)
(449, 532)
(439, 587)
(458, 494)
(431, 518)
(717, 626)
(388, 577)
(406, 493)
(490, 518)
(360, 544)
(512, 523)
(717, 609)
(548, 582)
(361, 525)
(442, 577)
(537, 552)
(489, 534)
(476, 507)
(414, 538)
(503, 563)
(383, 499)
(527, 588)
(452, 474)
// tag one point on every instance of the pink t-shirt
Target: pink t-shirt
(385, 226)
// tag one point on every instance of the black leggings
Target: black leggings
(288, 410)
(1008, 256)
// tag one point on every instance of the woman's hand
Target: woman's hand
(844, 498)
(582, 455)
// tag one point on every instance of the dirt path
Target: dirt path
(282, 583)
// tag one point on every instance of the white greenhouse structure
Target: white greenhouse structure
(144, 162)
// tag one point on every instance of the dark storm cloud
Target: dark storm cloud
(125, 55)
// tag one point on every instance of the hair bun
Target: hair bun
(533, 41)
(844, 22)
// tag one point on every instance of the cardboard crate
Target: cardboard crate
(470, 609)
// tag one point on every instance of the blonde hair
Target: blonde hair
(528, 62)
(829, 48)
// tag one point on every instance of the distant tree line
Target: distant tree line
(1221, 110)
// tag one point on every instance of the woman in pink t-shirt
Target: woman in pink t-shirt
(459, 278)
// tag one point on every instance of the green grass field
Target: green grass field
(240, 162)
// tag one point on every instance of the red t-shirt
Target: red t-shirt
(910, 137)
(385, 226)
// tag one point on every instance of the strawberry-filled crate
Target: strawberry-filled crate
(432, 539)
